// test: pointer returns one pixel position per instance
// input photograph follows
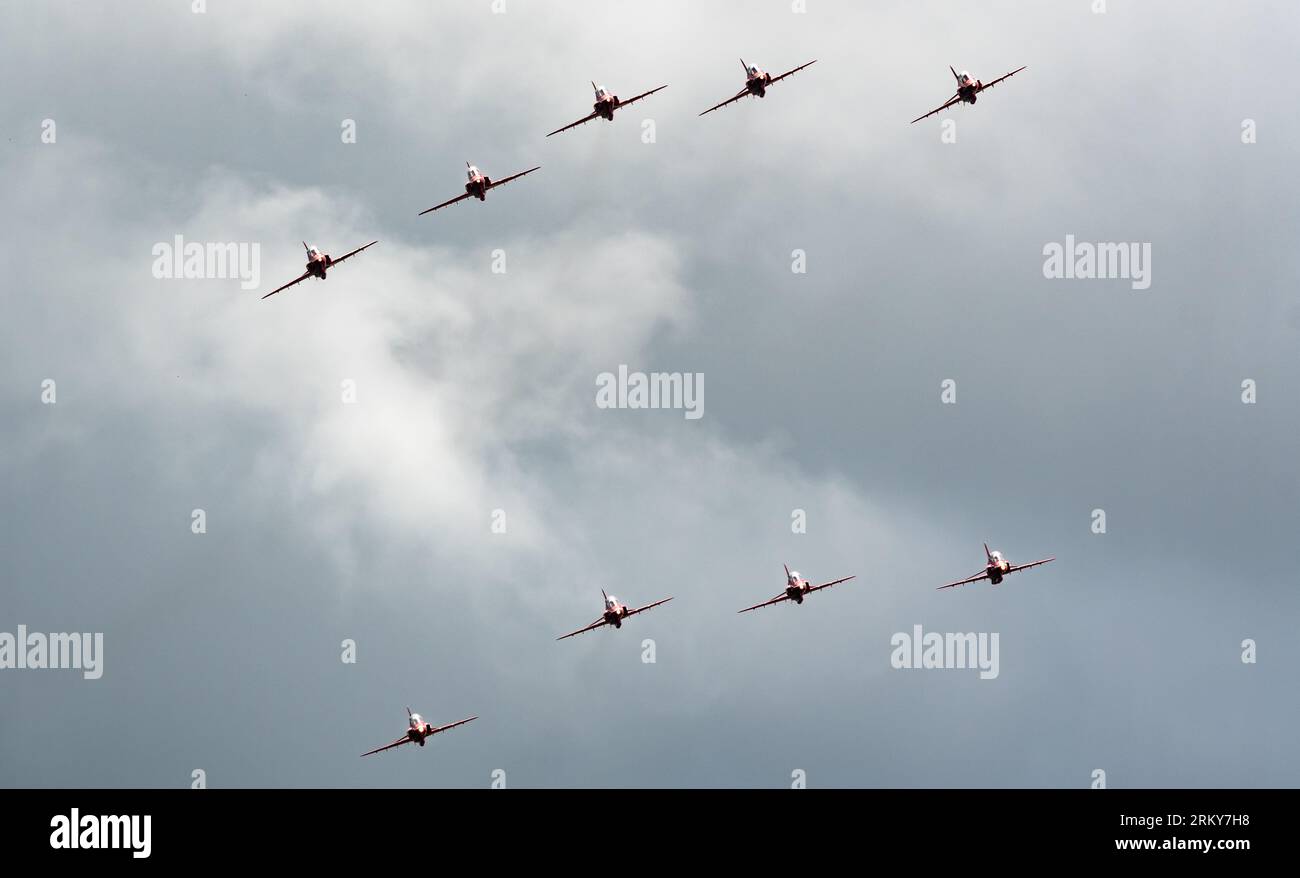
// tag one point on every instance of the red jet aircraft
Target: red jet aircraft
(967, 90)
(317, 264)
(605, 106)
(478, 186)
(996, 568)
(418, 730)
(795, 589)
(614, 614)
(756, 83)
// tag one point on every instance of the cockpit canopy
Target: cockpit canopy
(471, 172)
(964, 76)
(416, 720)
(794, 575)
(753, 71)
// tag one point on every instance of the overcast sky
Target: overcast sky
(475, 391)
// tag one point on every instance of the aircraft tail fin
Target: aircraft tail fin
(954, 74)
(987, 553)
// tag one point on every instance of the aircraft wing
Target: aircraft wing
(776, 79)
(399, 742)
(447, 203)
(776, 600)
(596, 624)
(648, 607)
(829, 584)
(452, 725)
(1000, 78)
(952, 100)
(983, 574)
(305, 275)
(353, 253)
(575, 124)
(644, 94)
(739, 95)
(496, 183)
(1016, 567)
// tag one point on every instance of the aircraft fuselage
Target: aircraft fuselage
(478, 187)
(318, 265)
(968, 88)
(418, 733)
(605, 107)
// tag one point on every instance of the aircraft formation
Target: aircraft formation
(478, 184)
(796, 589)
(757, 82)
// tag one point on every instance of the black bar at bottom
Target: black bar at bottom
(558, 828)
